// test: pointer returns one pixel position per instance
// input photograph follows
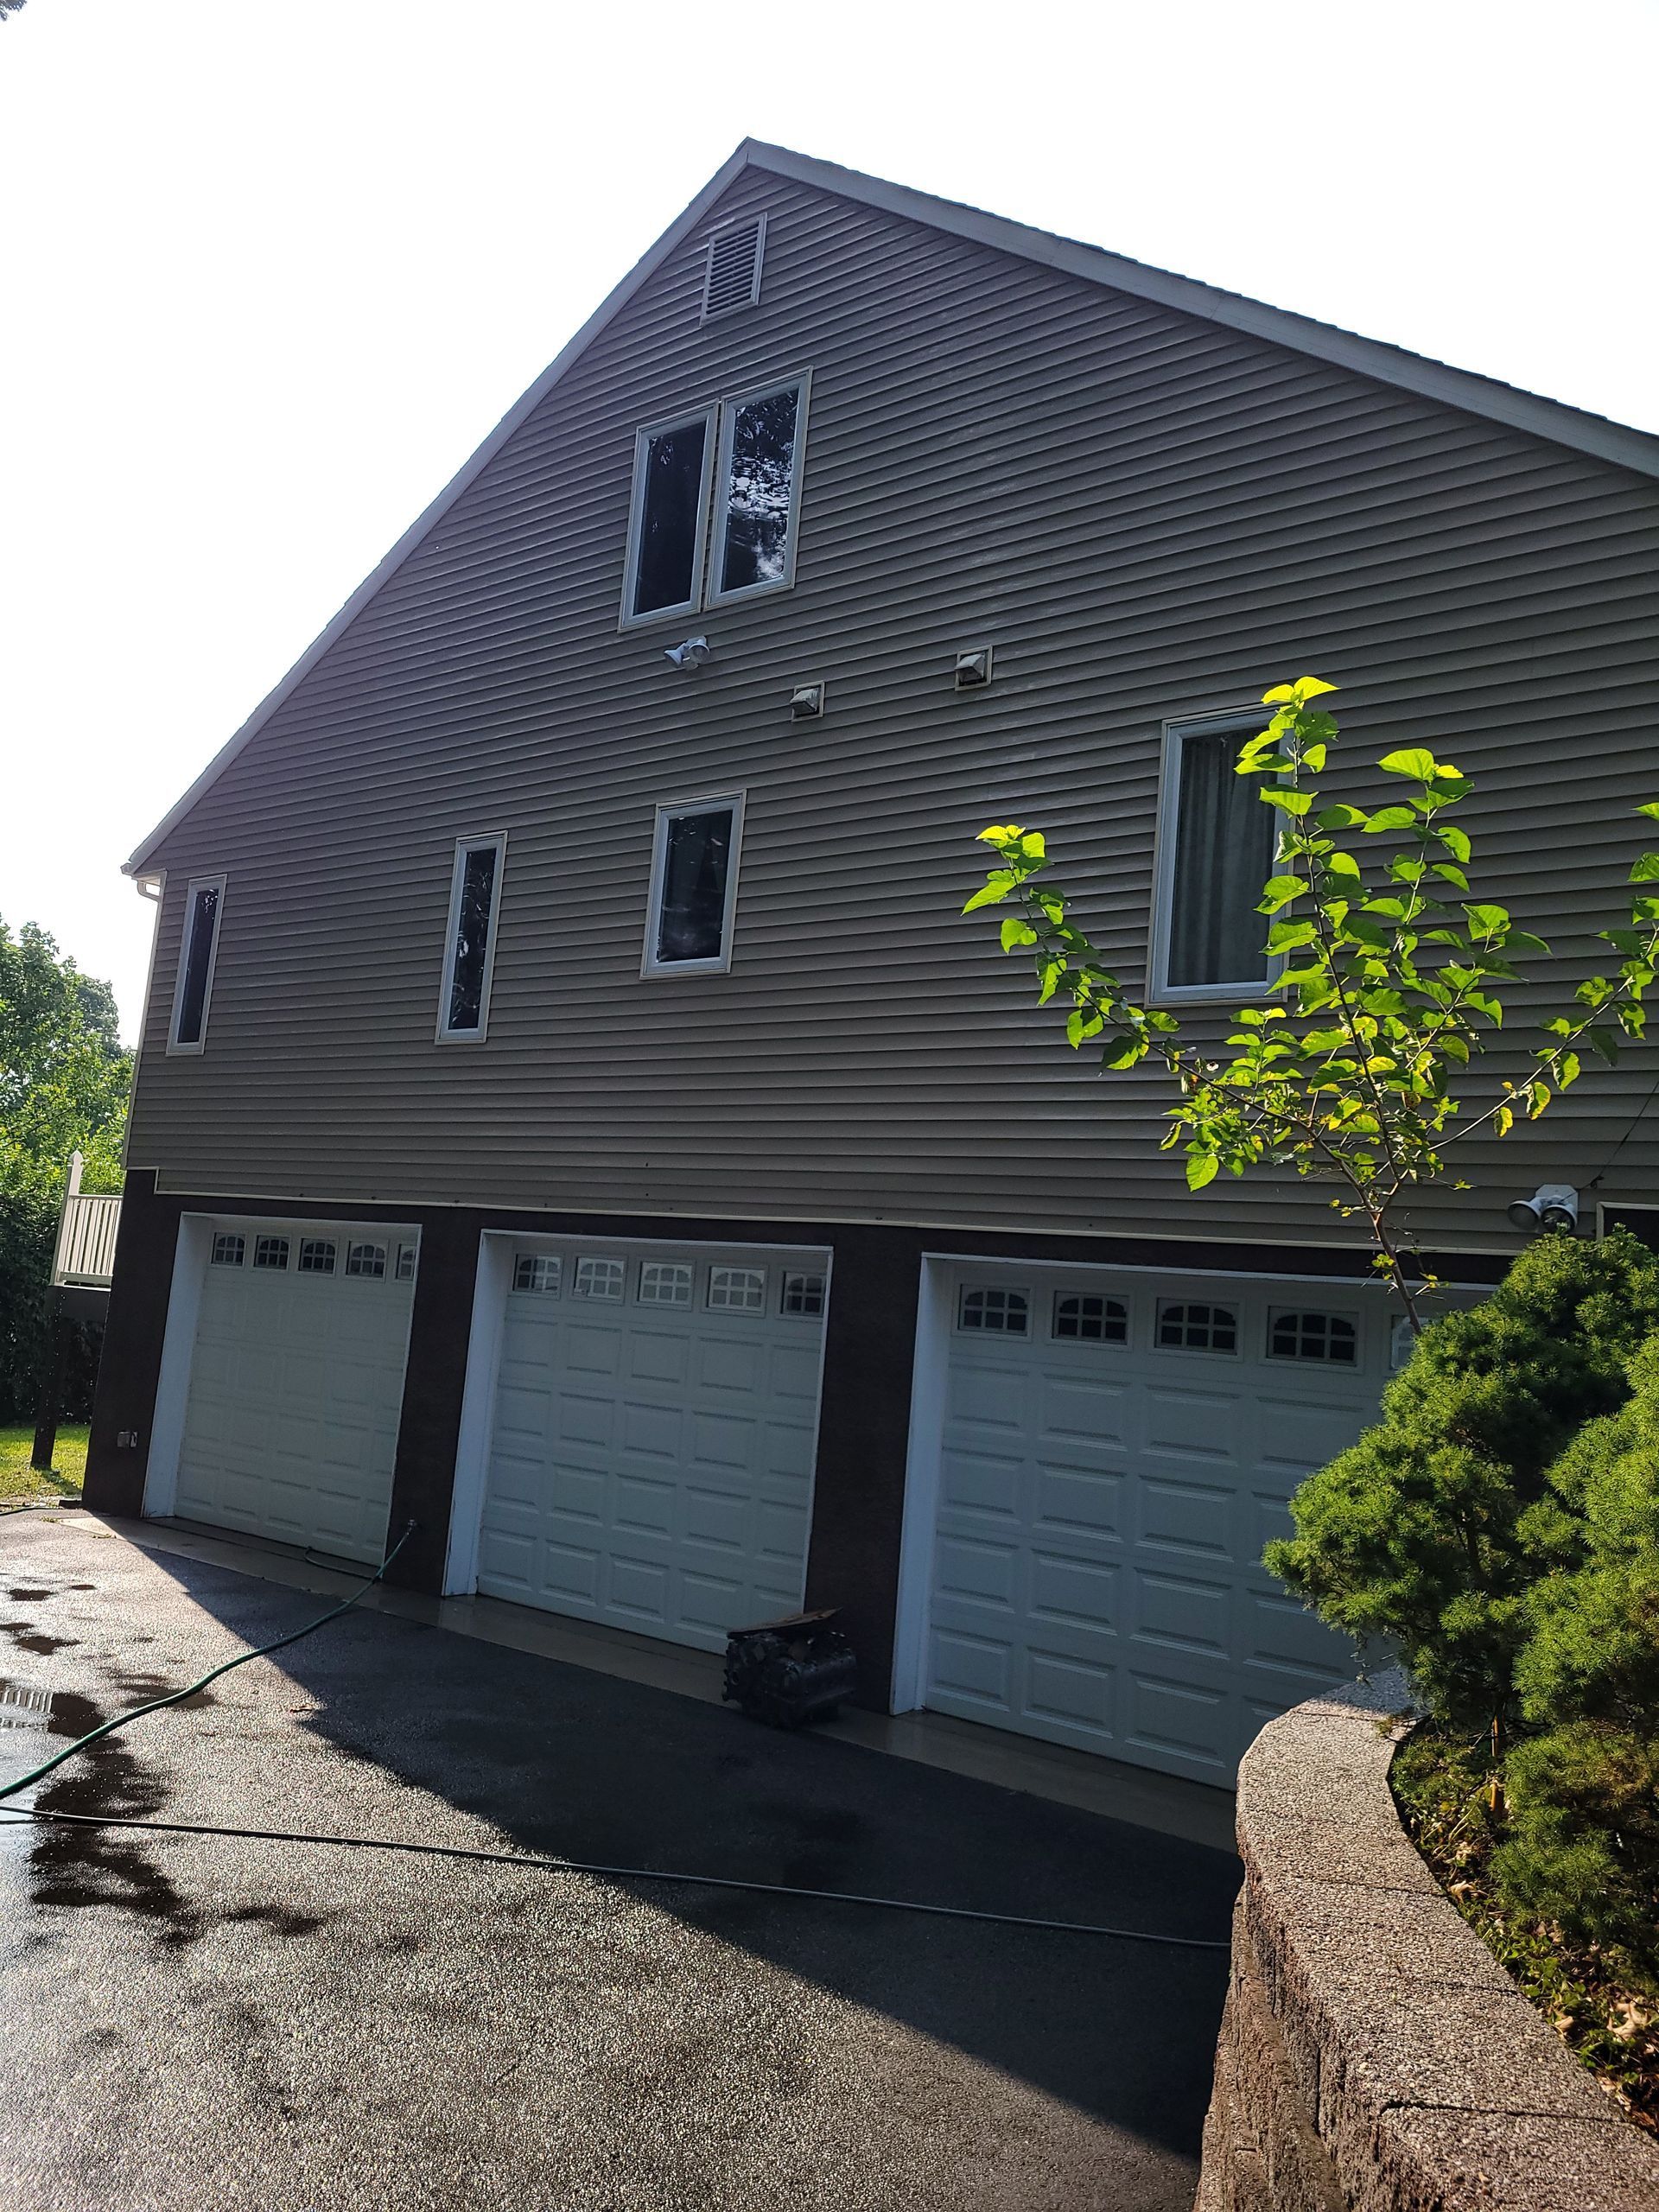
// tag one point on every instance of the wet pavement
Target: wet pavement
(195, 2021)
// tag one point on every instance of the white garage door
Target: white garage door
(296, 1383)
(653, 1435)
(1116, 1450)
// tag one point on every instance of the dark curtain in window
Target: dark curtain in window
(757, 494)
(472, 936)
(669, 518)
(1223, 855)
(201, 922)
(695, 862)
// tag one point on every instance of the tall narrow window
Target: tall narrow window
(671, 481)
(1215, 841)
(693, 887)
(469, 957)
(759, 441)
(203, 897)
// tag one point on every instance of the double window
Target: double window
(693, 887)
(716, 495)
(204, 896)
(1215, 851)
(469, 953)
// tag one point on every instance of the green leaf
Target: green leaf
(1650, 808)
(1339, 817)
(1646, 869)
(1415, 760)
(1344, 864)
(1286, 936)
(1604, 1042)
(1453, 1046)
(1016, 932)
(1313, 758)
(1569, 1071)
(1290, 802)
(1279, 890)
(1456, 840)
(1487, 921)
(1031, 845)
(1051, 974)
(1202, 1167)
(996, 888)
(1522, 941)
(1503, 1120)
(1451, 873)
(1390, 818)
(1124, 1051)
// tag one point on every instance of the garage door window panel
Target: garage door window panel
(1329, 1339)
(367, 1262)
(1216, 843)
(737, 1290)
(693, 887)
(228, 1251)
(1082, 1317)
(803, 1295)
(539, 1272)
(1185, 1325)
(271, 1252)
(664, 1283)
(990, 1310)
(317, 1256)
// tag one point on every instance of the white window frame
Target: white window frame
(649, 965)
(196, 883)
(801, 385)
(709, 418)
(446, 1035)
(757, 223)
(1160, 990)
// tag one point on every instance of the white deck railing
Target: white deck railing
(86, 1253)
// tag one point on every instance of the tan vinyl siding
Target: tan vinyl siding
(1148, 515)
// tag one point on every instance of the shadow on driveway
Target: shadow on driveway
(570, 1763)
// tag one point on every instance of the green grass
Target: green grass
(19, 1483)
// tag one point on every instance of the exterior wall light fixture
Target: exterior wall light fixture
(1552, 1206)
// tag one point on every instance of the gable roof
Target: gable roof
(1550, 419)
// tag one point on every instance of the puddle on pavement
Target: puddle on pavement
(108, 1867)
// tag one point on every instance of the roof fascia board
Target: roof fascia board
(1462, 388)
(645, 268)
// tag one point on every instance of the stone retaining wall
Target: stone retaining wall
(1374, 2056)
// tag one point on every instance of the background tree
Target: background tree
(64, 1081)
(1390, 986)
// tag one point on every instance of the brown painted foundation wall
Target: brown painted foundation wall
(863, 1434)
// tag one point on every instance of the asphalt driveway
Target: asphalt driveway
(192, 2021)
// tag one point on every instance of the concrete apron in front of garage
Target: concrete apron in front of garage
(194, 2020)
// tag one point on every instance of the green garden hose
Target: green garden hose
(177, 1697)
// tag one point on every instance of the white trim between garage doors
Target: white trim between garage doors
(504, 1252)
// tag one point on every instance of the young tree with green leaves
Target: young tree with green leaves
(1387, 996)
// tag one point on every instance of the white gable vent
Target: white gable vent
(732, 277)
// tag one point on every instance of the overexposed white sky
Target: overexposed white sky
(271, 273)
